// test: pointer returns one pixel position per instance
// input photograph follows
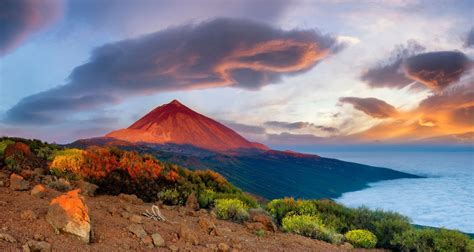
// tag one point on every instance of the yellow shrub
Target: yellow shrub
(68, 160)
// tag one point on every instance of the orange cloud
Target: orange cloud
(449, 113)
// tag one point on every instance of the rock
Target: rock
(26, 173)
(207, 224)
(211, 246)
(137, 230)
(69, 213)
(346, 246)
(37, 246)
(28, 215)
(18, 183)
(112, 211)
(39, 171)
(6, 237)
(255, 226)
(125, 215)
(263, 218)
(158, 241)
(2, 184)
(128, 209)
(222, 247)
(192, 202)
(187, 234)
(148, 241)
(130, 198)
(47, 179)
(173, 248)
(38, 191)
(87, 189)
(136, 219)
(38, 237)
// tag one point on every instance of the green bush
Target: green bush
(206, 198)
(279, 208)
(3, 144)
(361, 238)
(170, 196)
(231, 209)
(260, 233)
(310, 226)
(248, 200)
(429, 239)
(385, 225)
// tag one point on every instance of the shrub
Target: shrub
(170, 196)
(260, 233)
(248, 200)
(361, 238)
(206, 198)
(430, 239)
(3, 144)
(279, 208)
(310, 226)
(68, 160)
(231, 209)
(385, 225)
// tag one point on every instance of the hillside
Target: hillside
(54, 198)
(270, 174)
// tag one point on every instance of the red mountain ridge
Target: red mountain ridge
(178, 124)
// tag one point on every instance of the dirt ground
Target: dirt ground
(110, 218)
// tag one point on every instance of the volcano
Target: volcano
(175, 123)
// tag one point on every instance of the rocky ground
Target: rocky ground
(117, 223)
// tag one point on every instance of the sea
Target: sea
(444, 198)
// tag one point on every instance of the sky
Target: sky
(284, 73)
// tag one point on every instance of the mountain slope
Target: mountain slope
(176, 123)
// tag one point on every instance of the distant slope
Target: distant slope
(270, 174)
(176, 123)
(279, 174)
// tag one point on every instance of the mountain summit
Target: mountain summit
(178, 124)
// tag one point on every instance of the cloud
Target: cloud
(217, 53)
(299, 125)
(469, 39)
(437, 70)
(286, 139)
(21, 18)
(371, 106)
(440, 115)
(409, 64)
(44, 108)
(389, 73)
(244, 128)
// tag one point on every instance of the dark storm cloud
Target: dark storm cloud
(437, 70)
(299, 125)
(218, 53)
(389, 73)
(371, 106)
(469, 40)
(20, 18)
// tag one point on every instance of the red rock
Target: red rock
(38, 191)
(18, 183)
(176, 123)
(69, 213)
